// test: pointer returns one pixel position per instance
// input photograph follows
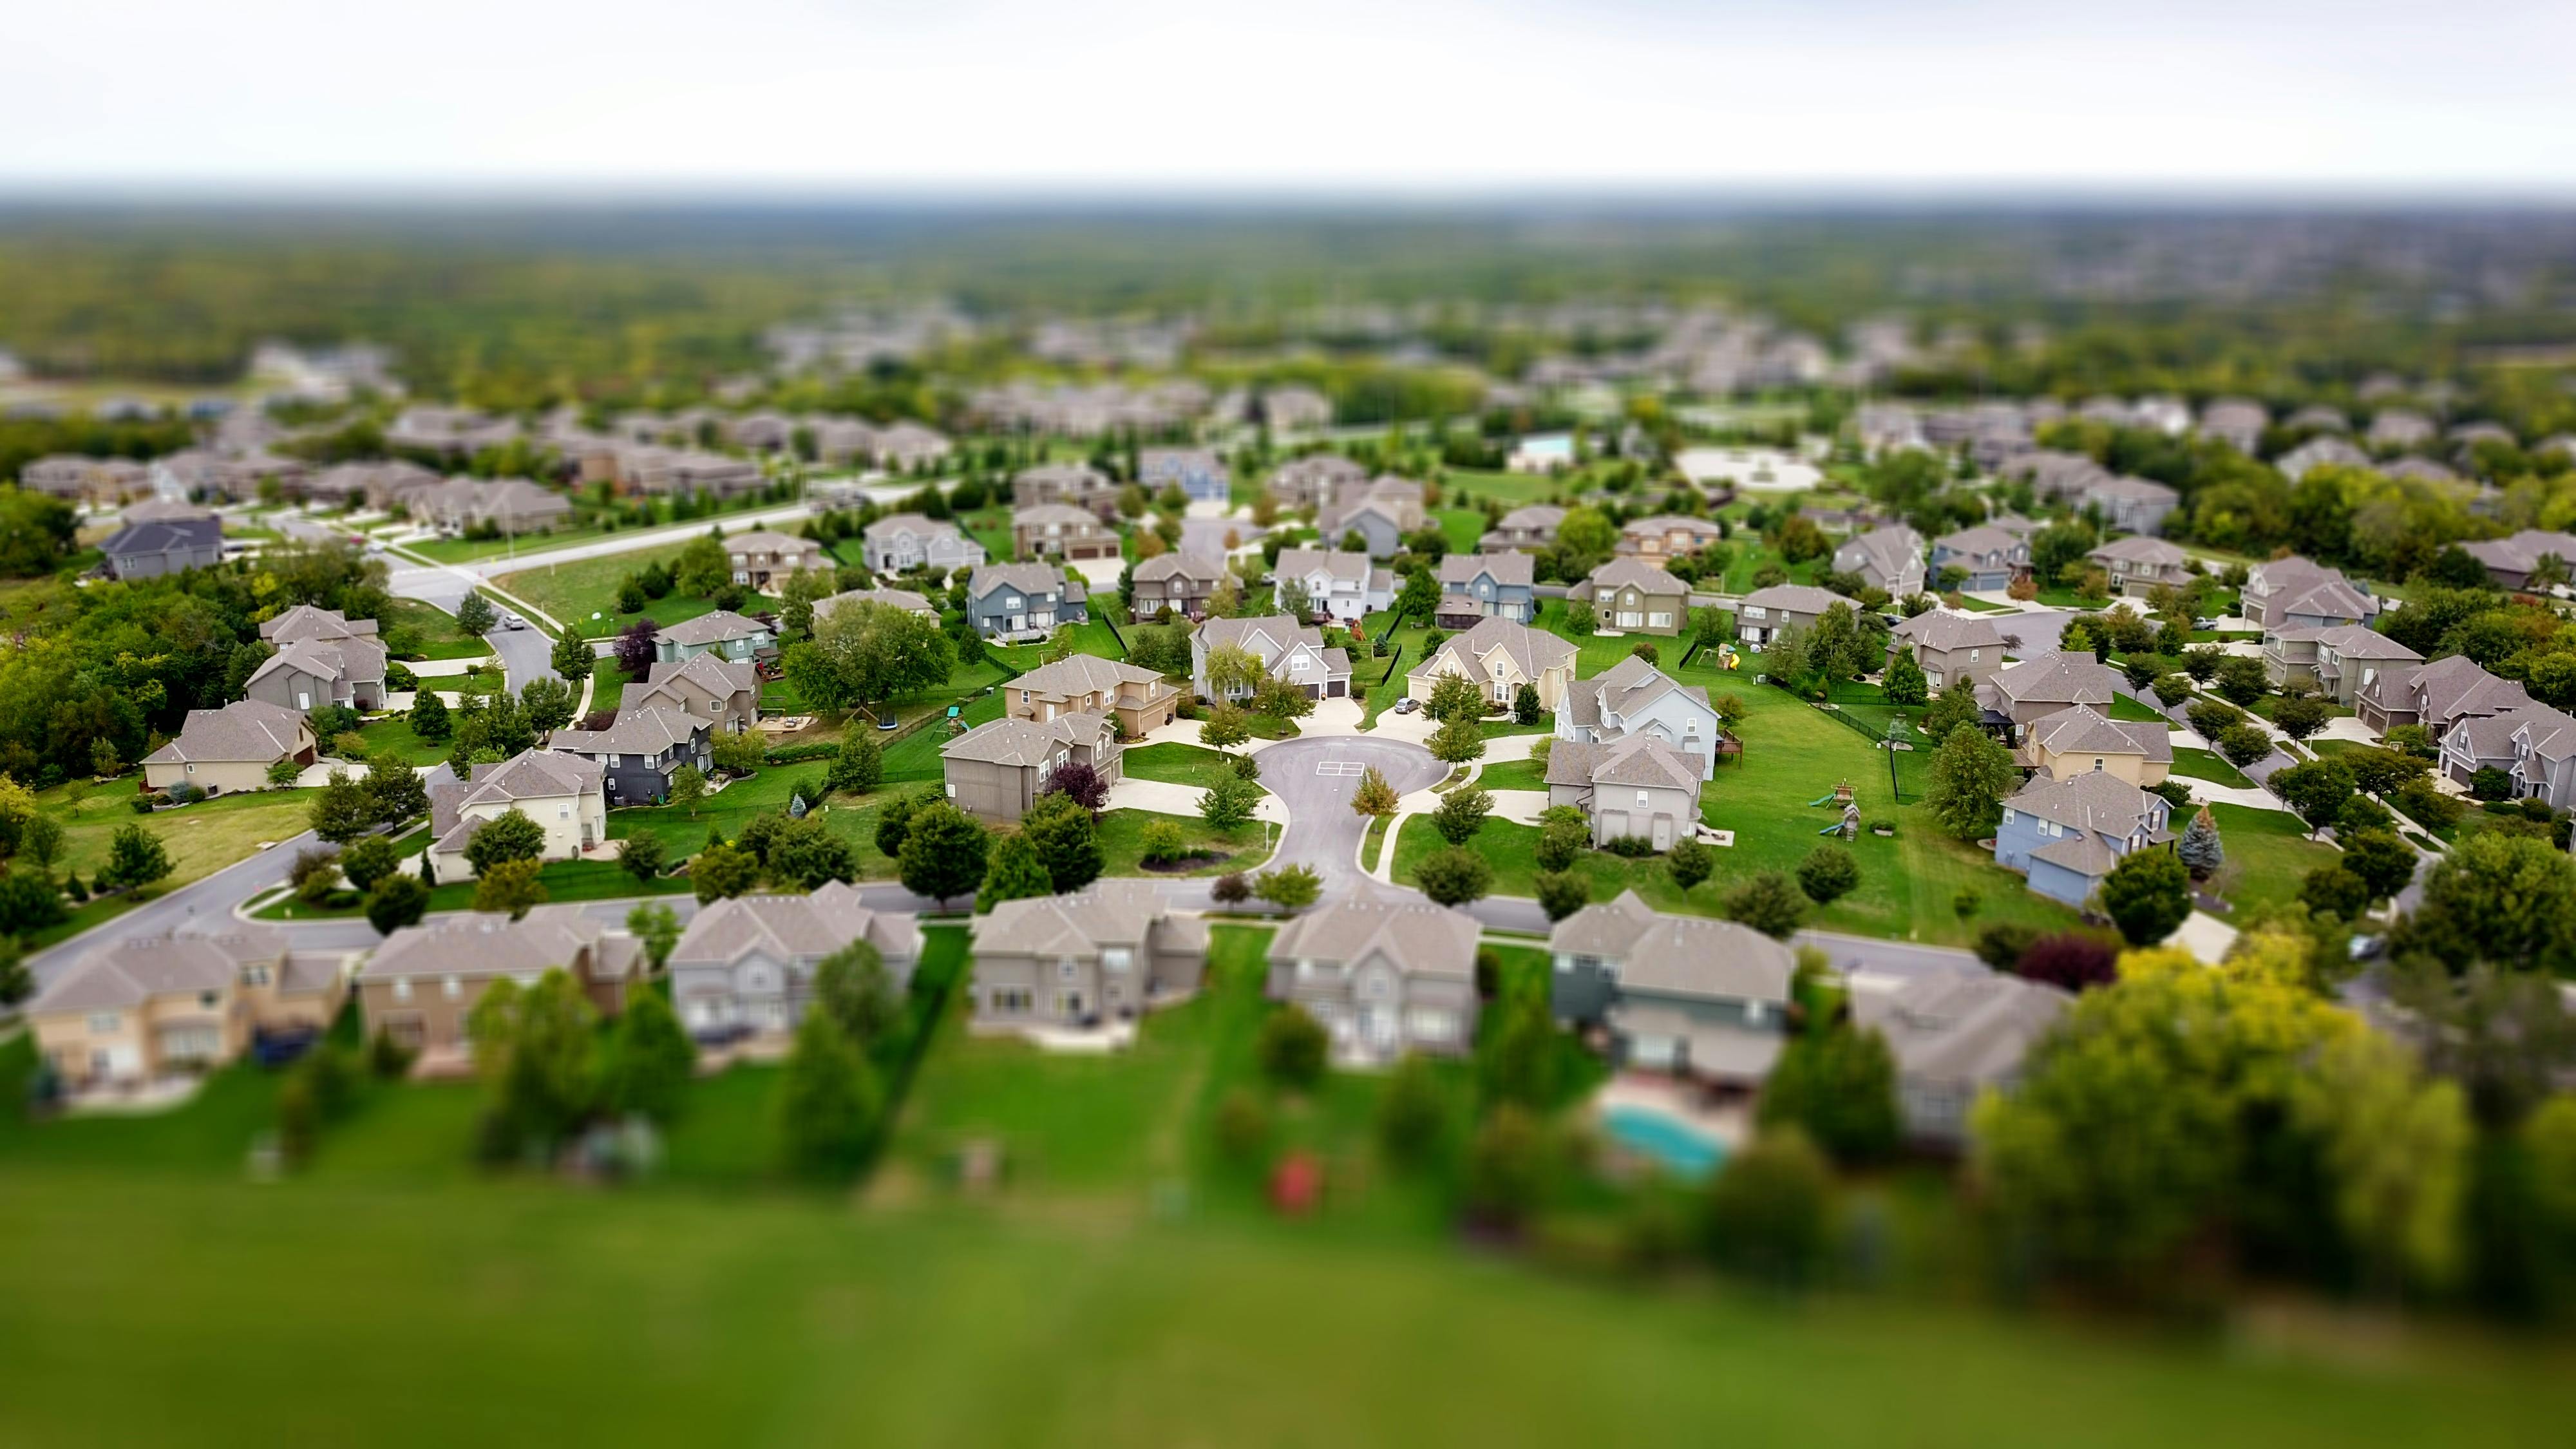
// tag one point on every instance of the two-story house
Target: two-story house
(1665, 537)
(1889, 559)
(1073, 485)
(724, 633)
(1634, 596)
(1059, 530)
(2066, 835)
(1765, 612)
(998, 769)
(2043, 685)
(1955, 1035)
(1952, 648)
(2137, 564)
(155, 547)
(1498, 657)
(1381, 512)
(1383, 977)
(1021, 601)
(1313, 482)
(1288, 650)
(1340, 585)
(1526, 528)
(1682, 994)
(566, 795)
(1199, 473)
(309, 673)
(1633, 786)
(143, 1008)
(1138, 699)
(2072, 741)
(1180, 581)
(2535, 746)
(902, 542)
(78, 479)
(745, 966)
(2512, 561)
(1477, 586)
(232, 748)
(422, 985)
(1991, 557)
(2437, 695)
(762, 559)
(1108, 952)
(640, 749)
(903, 599)
(2296, 593)
(2338, 662)
(724, 691)
(2129, 505)
(1634, 698)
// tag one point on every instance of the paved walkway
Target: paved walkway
(1163, 797)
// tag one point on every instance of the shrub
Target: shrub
(1633, 847)
(1292, 1048)
(2001, 945)
(2071, 960)
(1243, 1127)
(1164, 840)
(1230, 889)
(1828, 874)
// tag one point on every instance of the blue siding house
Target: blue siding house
(1198, 472)
(2066, 835)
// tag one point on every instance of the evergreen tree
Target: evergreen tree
(2200, 848)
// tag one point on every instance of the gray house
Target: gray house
(1633, 697)
(2295, 593)
(1110, 951)
(1635, 785)
(2535, 746)
(1075, 485)
(747, 964)
(640, 750)
(1180, 581)
(1952, 648)
(1955, 1035)
(2338, 662)
(997, 769)
(1682, 994)
(2066, 835)
(724, 633)
(1530, 527)
(2042, 685)
(1014, 602)
(2437, 696)
(1765, 612)
(1199, 473)
(2137, 564)
(1478, 586)
(1312, 482)
(1381, 512)
(2511, 561)
(901, 542)
(163, 546)
(1992, 557)
(2130, 505)
(1888, 558)
(307, 674)
(1289, 650)
(1384, 977)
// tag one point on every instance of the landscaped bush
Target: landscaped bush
(798, 754)
(1630, 846)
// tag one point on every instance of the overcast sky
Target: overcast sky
(1329, 95)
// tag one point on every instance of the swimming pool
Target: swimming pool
(1681, 1149)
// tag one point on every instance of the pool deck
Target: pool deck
(1729, 1127)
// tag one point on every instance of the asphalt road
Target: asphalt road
(1315, 778)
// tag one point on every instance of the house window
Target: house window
(402, 988)
(1641, 798)
(1064, 969)
(103, 1023)
(255, 975)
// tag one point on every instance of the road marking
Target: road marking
(1340, 768)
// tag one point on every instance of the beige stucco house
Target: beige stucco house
(1498, 657)
(231, 748)
(1635, 785)
(1140, 700)
(2074, 741)
(1110, 951)
(565, 795)
(146, 1008)
(422, 983)
(997, 769)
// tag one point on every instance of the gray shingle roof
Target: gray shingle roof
(1107, 912)
(124, 974)
(1680, 956)
(249, 729)
(1418, 938)
(1942, 630)
(481, 946)
(802, 928)
(1025, 742)
(1640, 760)
(719, 627)
(2081, 730)
(2070, 678)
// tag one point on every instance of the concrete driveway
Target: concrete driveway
(1315, 779)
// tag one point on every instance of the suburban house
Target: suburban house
(1383, 977)
(1634, 699)
(724, 691)
(1992, 557)
(2398, 428)
(1682, 994)
(746, 965)
(1888, 559)
(1765, 612)
(1635, 785)
(763, 560)
(1180, 581)
(447, 431)
(2041, 686)
(566, 795)
(2072, 741)
(162, 510)
(2437, 696)
(304, 622)
(231, 748)
(1110, 951)
(640, 749)
(998, 769)
(1017, 601)
(1381, 512)
(1339, 585)
(2129, 505)
(1530, 527)
(1955, 1035)
(904, 599)
(503, 505)
(2237, 422)
(2066, 835)
(1665, 537)
(306, 674)
(1312, 482)
(1059, 530)
(1951, 648)
(2511, 561)
(2534, 745)
(149, 549)
(905, 445)
(1293, 408)
(901, 542)
(1477, 586)
(78, 479)
(1287, 649)
(422, 984)
(2338, 662)
(1635, 596)
(1074, 485)
(2294, 593)
(2319, 452)
(1498, 657)
(144, 1008)
(1087, 684)
(2138, 563)
(724, 633)
(1198, 472)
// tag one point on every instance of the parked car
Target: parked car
(1407, 705)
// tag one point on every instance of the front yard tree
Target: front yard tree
(2316, 789)
(2383, 862)
(1905, 683)
(2332, 890)
(546, 704)
(429, 718)
(2243, 743)
(1828, 874)
(1767, 903)
(510, 886)
(853, 987)
(1454, 876)
(1232, 670)
(510, 835)
(1689, 862)
(368, 860)
(646, 1068)
(1971, 774)
(1014, 873)
(636, 648)
(1081, 782)
(396, 902)
(943, 853)
(1225, 727)
(1458, 741)
(2239, 679)
(829, 1100)
(573, 658)
(1289, 887)
(2147, 895)
(342, 810)
(2301, 717)
(2200, 848)
(1375, 797)
(394, 789)
(474, 614)
(1454, 697)
(2505, 899)
(1229, 802)
(1067, 841)
(1461, 814)
(1561, 893)
(1525, 706)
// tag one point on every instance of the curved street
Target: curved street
(1315, 777)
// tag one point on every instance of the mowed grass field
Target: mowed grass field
(573, 592)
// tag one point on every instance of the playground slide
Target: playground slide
(1826, 798)
(1834, 829)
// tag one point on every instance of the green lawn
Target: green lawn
(394, 733)
(573, 592)
(2268, 856)
(2202, 765)
(579, 531)
(201, 838)
(1122, 843)
(1193, 765)
(1513, 775)
(440, 635)
(915, 757)
(2130, 707)
(607, 684)
(1092, 636)
(1460, 526)
(764, 793)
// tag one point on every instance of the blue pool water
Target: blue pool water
(1683, 1151)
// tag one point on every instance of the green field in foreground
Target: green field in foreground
(164, 1311)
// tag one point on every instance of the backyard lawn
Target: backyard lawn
(201, 838)
(2268, 856)
(394, 733)
(607, 684)
(1513, 775)
(573, 592)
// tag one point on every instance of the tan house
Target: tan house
(422, 983)
(1180, 581)
(1635, 785)
(1074, 485)
(998, 769)
(2137, 564)
(1666, 537)
(2338, 662)
(1530, 527)
(763, 560)
(1138, 699)
(709, 686)
(307, 675)
(565, 795)
(1633, 596)
(2074, 741)
(231, 748)
(147, 1008)
(1060, 530)
(1383, 976)
(1312, 482)
(2043, 685)
(1952, 648)
(1108, 952)
(746, 965)
(1498, 657)
(77, 479)
(1765, 612)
